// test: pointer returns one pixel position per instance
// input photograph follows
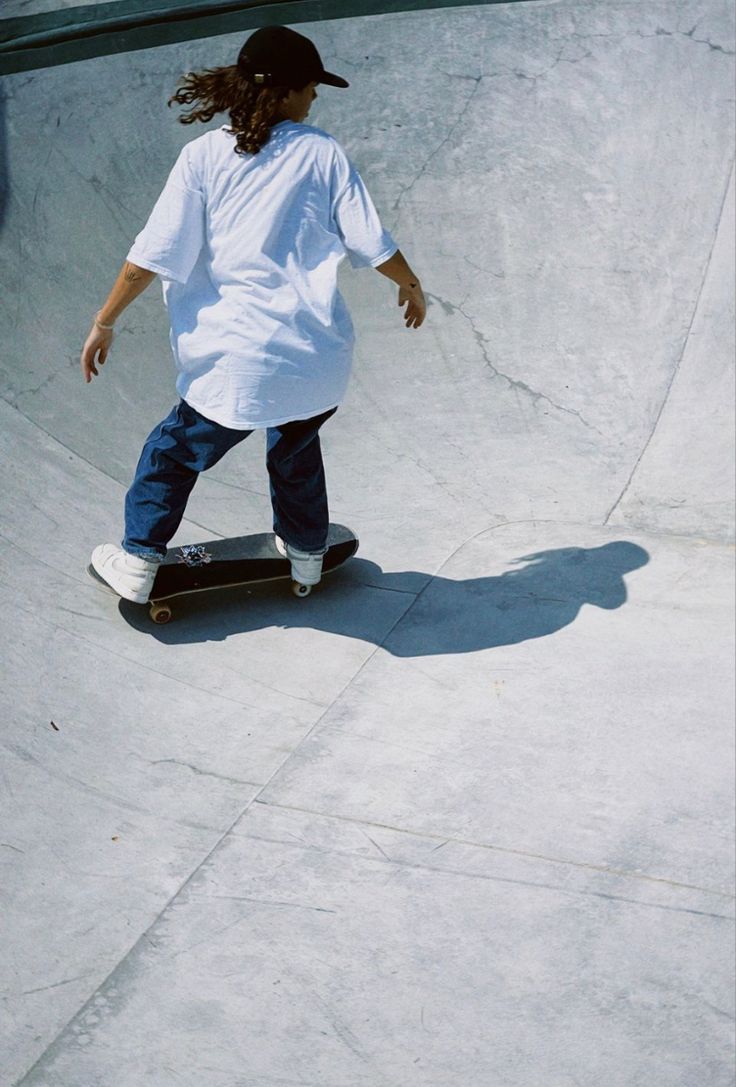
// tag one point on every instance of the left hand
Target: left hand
(98, 343)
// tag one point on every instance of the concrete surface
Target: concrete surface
(464, 817)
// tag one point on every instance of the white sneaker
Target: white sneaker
(128, 575)
(306, 566)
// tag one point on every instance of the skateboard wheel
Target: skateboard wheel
(160, 613)
(300, 590)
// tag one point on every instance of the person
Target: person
(247, 236)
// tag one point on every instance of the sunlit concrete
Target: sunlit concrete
(463, 817)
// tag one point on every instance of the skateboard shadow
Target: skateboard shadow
(413, 614)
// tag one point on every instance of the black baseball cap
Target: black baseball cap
(276, 56)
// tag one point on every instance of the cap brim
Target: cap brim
(333, 80)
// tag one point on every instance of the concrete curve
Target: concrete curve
(464, 815)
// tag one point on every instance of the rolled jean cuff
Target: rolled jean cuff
(306, 550)
(148, 556)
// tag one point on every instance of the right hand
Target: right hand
(416, 310)
(98, 343)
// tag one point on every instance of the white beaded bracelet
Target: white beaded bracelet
(100, 325)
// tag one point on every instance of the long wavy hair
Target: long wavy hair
(252, 110)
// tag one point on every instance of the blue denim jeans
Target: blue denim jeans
(186, 443)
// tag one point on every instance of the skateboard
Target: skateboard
(223, 564)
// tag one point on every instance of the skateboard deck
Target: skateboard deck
(222, 564)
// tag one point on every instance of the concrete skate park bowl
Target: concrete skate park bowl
(463, 817)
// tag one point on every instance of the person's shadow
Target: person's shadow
(439, 615)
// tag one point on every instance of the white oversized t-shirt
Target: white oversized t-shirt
(248, 248)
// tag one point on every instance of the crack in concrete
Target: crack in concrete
(111, 201)
(43, 174)
(407, 188)
(375, 843)
(34, 391)
(485, 271)
(513, 382)
(342, 1030)
(520, 74)
(205, 773)
(56, 985)
(660, 32)
(107, 796)
(210, 937)
(258, 902)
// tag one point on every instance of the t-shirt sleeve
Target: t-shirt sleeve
(173, 237)
(354, 213)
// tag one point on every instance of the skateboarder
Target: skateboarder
(247, 236)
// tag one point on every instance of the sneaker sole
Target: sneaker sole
(100, 581)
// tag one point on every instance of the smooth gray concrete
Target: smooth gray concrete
(463, 817)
